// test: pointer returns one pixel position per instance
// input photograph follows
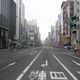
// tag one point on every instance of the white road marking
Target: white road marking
(11, 64)
(26, 69)
(76, 62)
(58, 75)
(46, 64)
(71, 55)
(78, 72)
(33, 74)
(42, 75)
(65, 68)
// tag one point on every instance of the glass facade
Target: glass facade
(4, 22)
(12, 28)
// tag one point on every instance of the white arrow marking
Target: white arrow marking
(46, 64)
(76, 62)
(11, 64)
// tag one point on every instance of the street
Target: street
(44, 63)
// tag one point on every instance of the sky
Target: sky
(45, 12)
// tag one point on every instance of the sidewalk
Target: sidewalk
(3, 50)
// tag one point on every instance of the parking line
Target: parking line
(65, 68)
(26, 69)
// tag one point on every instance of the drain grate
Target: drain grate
(58, 75)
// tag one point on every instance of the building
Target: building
(53, 35)
(66, 25)
(78, 20)
(33, 35)
(18, 12)
(70, 15)
(20, 16)
(22, 27)
(12, 27)
(25, 30)
(4, 22)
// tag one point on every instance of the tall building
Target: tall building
(33, 35)
(64, 22)
(12, 27)
(78, 20)
(70, 15)
(20, 16)
(66, 25)
(22, 27)
(74, 25)
(4, 22)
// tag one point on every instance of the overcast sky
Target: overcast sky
(44, 11)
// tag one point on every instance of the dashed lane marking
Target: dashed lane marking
(76, 62)
(78, 72)
(74, 78)
(58, 75)
(26, 69)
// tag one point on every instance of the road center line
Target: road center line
(65, 68)
(26, 69)
(76, 62)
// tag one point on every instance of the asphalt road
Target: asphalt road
(40, 64)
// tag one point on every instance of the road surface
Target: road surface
(45, 63)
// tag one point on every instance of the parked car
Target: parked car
(68, 47)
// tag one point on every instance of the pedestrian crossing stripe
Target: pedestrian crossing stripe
(58, 75)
